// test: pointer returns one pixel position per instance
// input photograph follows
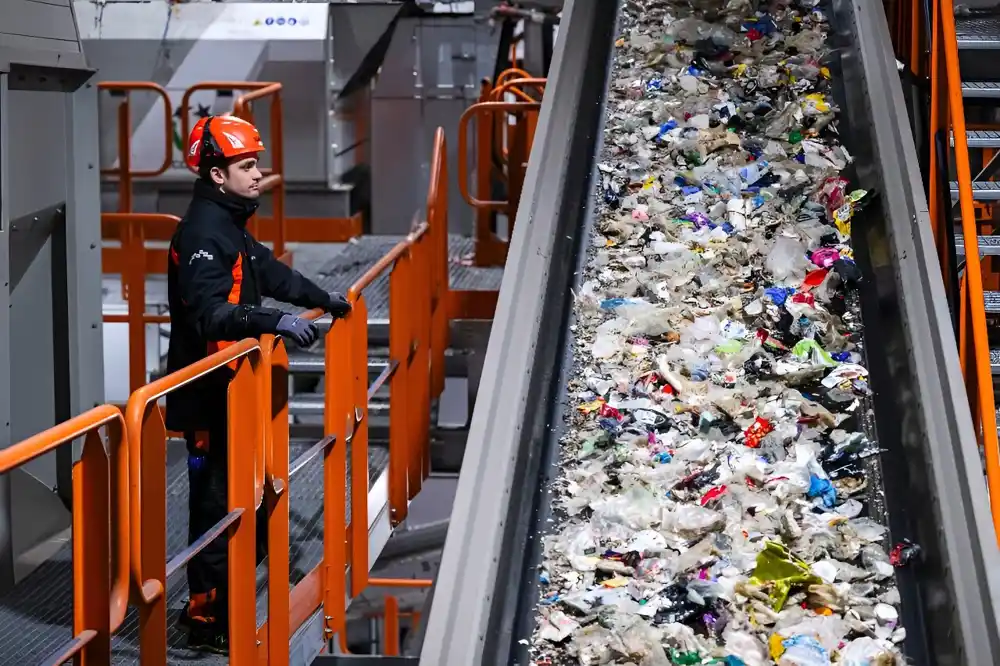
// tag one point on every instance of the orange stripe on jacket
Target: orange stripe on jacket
(234, 298)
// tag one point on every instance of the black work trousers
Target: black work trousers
(208, 571)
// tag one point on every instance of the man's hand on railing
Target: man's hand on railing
(338, 306)
(302, 331)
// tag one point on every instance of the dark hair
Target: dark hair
(206, 166)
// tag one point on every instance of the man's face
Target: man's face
(241, 177)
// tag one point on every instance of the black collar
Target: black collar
(239, 208)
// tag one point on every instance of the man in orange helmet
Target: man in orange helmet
(217, 276)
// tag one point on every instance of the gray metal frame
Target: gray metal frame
(946, 492)
(925, 420)
(6, 552)
(466, 624)
(41, 51)
(79, 242)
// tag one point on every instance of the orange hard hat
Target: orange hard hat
(221, 138)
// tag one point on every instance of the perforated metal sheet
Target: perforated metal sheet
(362, 253)
(36, 616)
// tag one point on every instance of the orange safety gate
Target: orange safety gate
(504, 129)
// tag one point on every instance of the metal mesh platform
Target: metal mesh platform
(36, 616)
(988, 245)
(978, 32)
(984, 190)
(362, 253)
(981, 89)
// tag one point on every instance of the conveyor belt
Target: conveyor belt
(35, 617)
(362, 253)
(485, 595)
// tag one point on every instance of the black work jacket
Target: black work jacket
(217, 275)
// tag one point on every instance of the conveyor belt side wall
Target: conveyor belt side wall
(935, 489)
(485, 554)
(935, 492)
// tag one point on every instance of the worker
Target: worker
(217, 275)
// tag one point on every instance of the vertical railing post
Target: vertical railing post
(337, 404)
(485, 130)
(149, 482)
(278, 164)
(244, 434)
(134, 274)
(358, 379)
(420, 382)
(91, 548)
(399, 437)
(274, 397)
(390, 627)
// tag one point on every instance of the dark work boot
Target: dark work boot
(207, 637)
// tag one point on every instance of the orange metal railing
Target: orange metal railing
(126, 174)
(391, 613)
(100, 527)
(948, 116)
(504, 134)
(417, 272)
(147, 439)
(437, 220)
(908, 38)
(134, 265)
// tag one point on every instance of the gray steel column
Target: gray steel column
(83, 256)
(6, 544)
(79, 243)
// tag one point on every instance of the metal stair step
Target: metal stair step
(981, 89)
(978, 32)
(314, 364)
(988, 245)
(995, 361)
(981, 139)
(311, 404)
(983, 190)
(992, 300)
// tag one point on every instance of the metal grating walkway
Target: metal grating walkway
(362, 253)
(36, 616)
(978, 31)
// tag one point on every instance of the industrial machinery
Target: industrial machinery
(400, 174)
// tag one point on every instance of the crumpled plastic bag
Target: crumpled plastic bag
(779, 571)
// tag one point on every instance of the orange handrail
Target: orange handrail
(147, 501)
(947, 112)
(437, 219)
(124, 169)
(100, 501)
(490, 249)
(391, 615)
(483, 108)
(130, 226)
(241, 109)
(274, 399)
(513, 86)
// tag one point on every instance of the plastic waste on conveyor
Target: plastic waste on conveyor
(730, 467)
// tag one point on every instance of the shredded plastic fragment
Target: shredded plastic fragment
(713, 498)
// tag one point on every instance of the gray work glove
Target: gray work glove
(337, 305)
(302, 331)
